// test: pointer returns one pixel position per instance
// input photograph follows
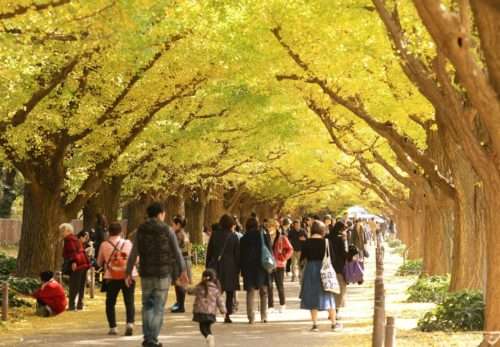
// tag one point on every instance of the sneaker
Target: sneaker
(179, 310)
(112, 331)
(282, 309)
(129, 330)
(264, 321)
(210, 341)
(151, 344)
(227, 320)
(314, 328)
(337, 326)
(174, 307)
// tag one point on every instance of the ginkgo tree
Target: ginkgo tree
(73, 106)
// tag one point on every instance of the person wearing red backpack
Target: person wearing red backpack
(113, 257)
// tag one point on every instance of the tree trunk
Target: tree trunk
(215, 206)
(492, 295)
(135, 213)
(195, 215)
(41, 242)
(469, 228)
(417, 220)
(175, 205)
(8, 193)
(436, 239)
(105, 201)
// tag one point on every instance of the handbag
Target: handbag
(354, 272)
(328, 275)
(267, 260)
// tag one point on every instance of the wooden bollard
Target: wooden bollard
(379, 306)
(92, 282)
(390, 336)
(5, 301)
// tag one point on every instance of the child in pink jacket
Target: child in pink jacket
(208, 297)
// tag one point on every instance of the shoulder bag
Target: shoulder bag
(328, 276)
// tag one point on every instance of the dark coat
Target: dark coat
(229, 266)
(339, 253)
(294, 238)
(254, 275)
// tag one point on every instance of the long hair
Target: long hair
(209, 276)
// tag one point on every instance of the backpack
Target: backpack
(117, 263)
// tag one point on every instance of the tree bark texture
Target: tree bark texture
(41, 242)
(8, 192)
(135, 213)
(195, 214)
(105, 201)
(175, 205)
(215, 205)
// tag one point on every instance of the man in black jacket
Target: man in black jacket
(160, 257)
(296, 236)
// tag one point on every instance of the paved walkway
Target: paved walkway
(288, 329)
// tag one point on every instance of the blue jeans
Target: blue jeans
(154, 296)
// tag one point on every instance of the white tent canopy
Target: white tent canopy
(363, 213)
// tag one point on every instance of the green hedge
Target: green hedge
(17, 285)
(394, 243)
(410, 268)
(429, 289)
(7, 265)
(461, 311)
(201, 253)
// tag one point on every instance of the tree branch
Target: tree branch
(21, 114)
(110, 111)
(94, 179)
(20, 10)
(451, 38)
(413, 67)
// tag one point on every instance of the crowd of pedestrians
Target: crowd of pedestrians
(323, 255)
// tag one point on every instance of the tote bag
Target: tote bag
(267, 260)
(328, 275)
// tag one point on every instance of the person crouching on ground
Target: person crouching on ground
(50, 297)
(208, 297)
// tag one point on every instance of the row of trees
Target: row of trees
(110, 104)
(271, 106)
(442, 193)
